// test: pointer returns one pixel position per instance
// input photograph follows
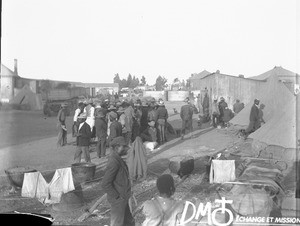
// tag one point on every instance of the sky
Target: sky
(92, 40)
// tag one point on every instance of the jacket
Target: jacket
(129, 113)
(61, 116)
(228, 115)
(116, 181)
(162, 113)
(137, 160)
(186, 112)
(101, 127)
(254, 113)
(115, 130)
(84, 138)
(215, 108)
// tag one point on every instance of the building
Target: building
(12, 84)
(228, 86)
(195, 79)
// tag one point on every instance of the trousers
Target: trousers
(101, 147)
(86, 153)
(162, 130)
(120, 214)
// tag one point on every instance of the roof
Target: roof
(279, 71)
(200, 75)
(6, 71)
(215, 73)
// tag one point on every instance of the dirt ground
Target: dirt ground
(29, 138)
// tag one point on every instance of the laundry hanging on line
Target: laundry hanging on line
(222, 171)
(35, 186)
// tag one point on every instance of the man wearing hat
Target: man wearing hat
(83, 139)
(222, 106)
(215, 112)
(115, 128)
(116, 184)
(254, 118)
(78, 111)
(186, 114)
(61, 125)
(101, 132)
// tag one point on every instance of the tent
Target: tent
(281, 129)
(274, 95)
(26, 96)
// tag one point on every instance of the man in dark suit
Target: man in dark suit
(101, 132)
(115, 127)
(186, 114)
(116, 184)
(83, 139)
(254, 118)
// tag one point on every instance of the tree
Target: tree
(129, 81)
(143, 81)
(117, 79)
(123, 83)
(160, 83)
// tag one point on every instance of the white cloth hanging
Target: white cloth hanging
(222, 171)
(35, 186)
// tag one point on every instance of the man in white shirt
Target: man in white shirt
(78, 111)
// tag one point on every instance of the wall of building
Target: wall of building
(178, 95)
(155, 94)
(7, 88)
(230, 87)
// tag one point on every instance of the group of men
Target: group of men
(106, 120)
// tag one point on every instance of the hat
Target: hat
(187, 99)
(118, 103)
(112, 107)
(101, 113)
(82, 115)
(64, 104)
(151, 123)
(90, 101)
(113, 114)
(118, 141)
(222, 98)
(121, 109)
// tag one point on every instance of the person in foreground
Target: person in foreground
(163, 209)
(116, 184)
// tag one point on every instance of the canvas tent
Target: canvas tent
(274, 95)
(26, 96)
(281, 129)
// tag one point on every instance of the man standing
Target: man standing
(222, 106)
(254, 119)
(78, 111)
(129, 113)
(186, 114)
(162, 116)
(261, 115)
(83, 139)
(101, 132)
(237, 107)
(215, 112)
(115, 126)
(61, 125)
(117, 185)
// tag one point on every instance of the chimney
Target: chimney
(16, 66)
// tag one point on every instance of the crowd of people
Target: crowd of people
(104, 121)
